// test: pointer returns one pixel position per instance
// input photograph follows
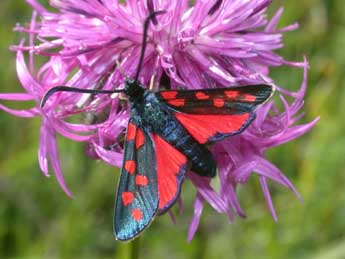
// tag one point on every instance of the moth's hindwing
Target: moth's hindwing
(171, 169)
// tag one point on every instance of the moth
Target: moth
(167, 135)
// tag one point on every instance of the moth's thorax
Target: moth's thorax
(151, 113)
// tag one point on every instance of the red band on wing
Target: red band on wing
(130, 166)
(202, 127)
(169, 95)
(201, 96)
(131, 132)
(141, 180)
(169, 163)
(232, 94)
(127, 198)
(236, 95)
(249, 98)
(218, 102)
(137, 214)
(140, 139)
(176, 102)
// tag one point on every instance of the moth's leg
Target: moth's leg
(120, 96)
(120, 68)
(152, 81)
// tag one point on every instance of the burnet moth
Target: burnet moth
(168, 133)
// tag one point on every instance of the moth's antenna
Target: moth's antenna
(143, 46)
(99, 91)
(76, 90)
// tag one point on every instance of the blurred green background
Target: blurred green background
(38, 221)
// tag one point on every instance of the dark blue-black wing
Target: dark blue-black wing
(137, 194)
(210, 115)
(150, 181)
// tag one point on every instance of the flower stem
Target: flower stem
(135, 248)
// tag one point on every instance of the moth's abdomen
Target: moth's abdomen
(201, 158)
(205, 165)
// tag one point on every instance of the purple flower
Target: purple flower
(88, 44)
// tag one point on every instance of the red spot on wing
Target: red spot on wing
(176, 102)
(201, 96)
(169, 163)
(130, 166)
(249, 98)
(137, 214)
(218, 102)
(140, 139)
(202, 127)
(141, 180)
(127, 198)
(231, 94)
(169, 95)
(131, 131)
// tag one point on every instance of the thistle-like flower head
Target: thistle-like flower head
(96, 44)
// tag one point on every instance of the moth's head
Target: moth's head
(133, 89)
